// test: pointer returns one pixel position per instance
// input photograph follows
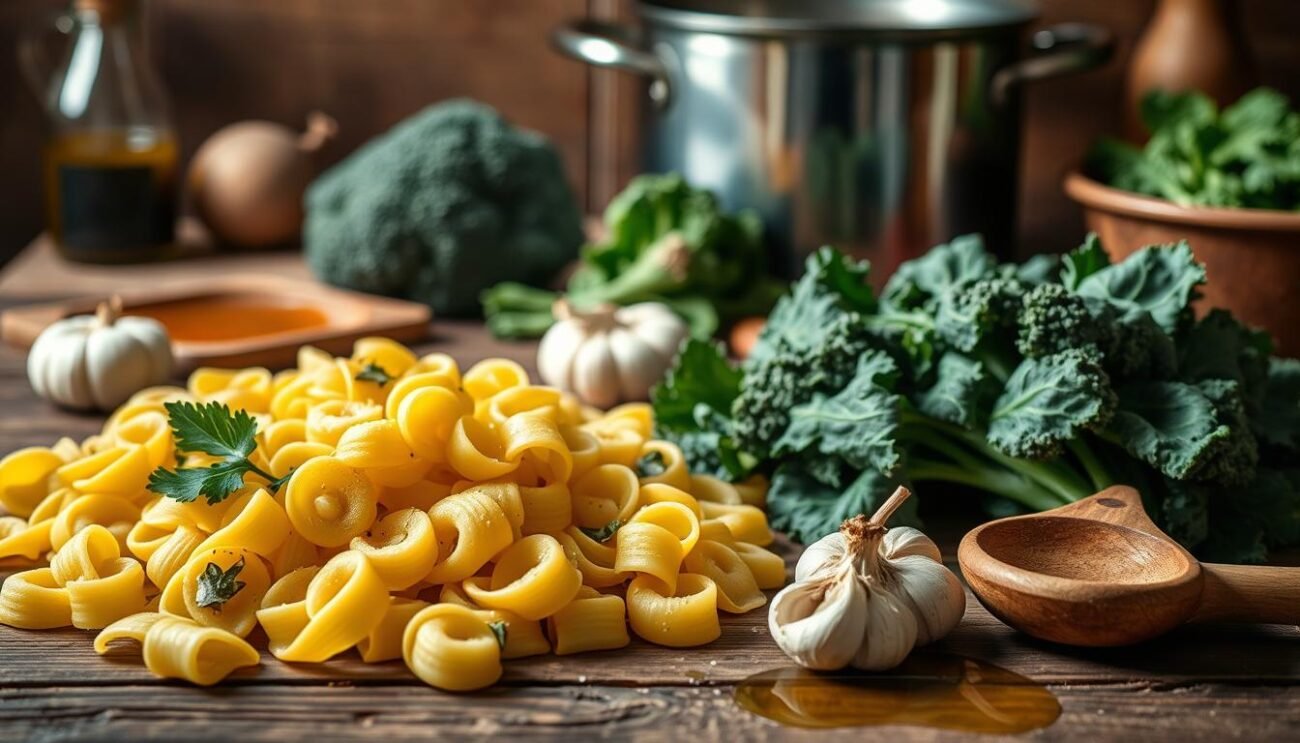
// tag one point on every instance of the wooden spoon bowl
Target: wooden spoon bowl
(1098, 573)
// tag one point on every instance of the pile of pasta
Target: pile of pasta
(452, 520)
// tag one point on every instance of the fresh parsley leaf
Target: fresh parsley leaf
(373, 372)
(186, 484)
(216, 586)
(651, 465)
(212, 428)
(499, 631)
(604, 533)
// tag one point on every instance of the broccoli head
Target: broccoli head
(444, 205)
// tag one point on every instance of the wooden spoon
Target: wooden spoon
(1098, 572)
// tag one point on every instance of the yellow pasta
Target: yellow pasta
(532, 578)
(738, 591)
(592, 621)
(450, 647)
(679, 618)
(24, 478)
(401, 546)
(395, 505)
(329, 502)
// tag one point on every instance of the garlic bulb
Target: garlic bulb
(98, 361)
(866, 595)
(606, 355)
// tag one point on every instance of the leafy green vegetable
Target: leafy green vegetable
(651, 465)
(373, 372)
(217, 586)
(210, 429)
(1248, 155)
(604, 533)
(1033, 388)
(666, 242)
(499, 629)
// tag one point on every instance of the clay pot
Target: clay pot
(1252, 256)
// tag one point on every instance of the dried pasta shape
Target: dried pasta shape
(240, 389)
(753, 491)
(28, 542)
(175, 647)
(280, 434)
(340, 604)
(747, 523)
(116, 593)
(327, 421)
(294, 552)
(25, 477)
(402, 475)
(620, 446)
(168, 513)
(594, 560)
(52, 505)
(386, 353)
(767, 567)
(477, 450)
(81, 557)
(329, 503)
(385, 641)
(401, 547)
(717, 531)
(32, 599)
(422, 495)
(655, 541)
(490, 376)
(592, 621)
(738, 591)
(506, 494)
(172, 554)
(254, 522)
(682, 618)
(536, 438)
(534, 399)
(609, 492)
(437, 363)
(634, 416)
(584, 448)
(707, 488)
(117, 514)
(658, 492)
(373, 444)
(121, 470)
(283, 615)
(547, 509)
(450, 647)
(133, 627)
(524, 637)
(427, 418)
(293, 455)
(471, 528)
(237, 615)
(675, 472)
(291, 401)
(532, 578)
(149, 430)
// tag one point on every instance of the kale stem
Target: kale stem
(1000, 482)
(1101, 478)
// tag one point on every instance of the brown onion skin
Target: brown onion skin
(247, 180)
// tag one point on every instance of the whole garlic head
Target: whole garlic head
(909, 598)
(607, 355)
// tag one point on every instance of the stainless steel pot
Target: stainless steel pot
(879, 126)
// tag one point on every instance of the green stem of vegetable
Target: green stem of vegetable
(662, 269)
(1001, 482)
(1101, 478)
(520, 324)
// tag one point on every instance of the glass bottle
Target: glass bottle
(110, 155)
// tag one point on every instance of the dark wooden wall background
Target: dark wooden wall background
(372, 62)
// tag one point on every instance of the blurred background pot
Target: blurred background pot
(1252, 256)
(883, 126)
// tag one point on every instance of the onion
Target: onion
(247, 181)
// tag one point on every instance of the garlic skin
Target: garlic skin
(909, 598)
(607, 355)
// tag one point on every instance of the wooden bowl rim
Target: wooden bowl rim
(1096, 195)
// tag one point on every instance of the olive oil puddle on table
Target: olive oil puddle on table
(229, 317)
(928, 690)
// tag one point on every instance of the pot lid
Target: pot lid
(815, 16)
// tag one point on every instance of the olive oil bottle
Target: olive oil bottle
(111, 156)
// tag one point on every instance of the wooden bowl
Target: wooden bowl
(1252, 256)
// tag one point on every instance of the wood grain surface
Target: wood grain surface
(1200, 682)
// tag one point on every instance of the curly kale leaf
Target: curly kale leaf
(966, 317)
(1276, 421)
(1161, 280)
(1049, 401)
(808, 510)
(1220, 347)
(1083, 261)
(811, 315)
(963, 392)
(855, 424)
(701, 375)
(939, 272)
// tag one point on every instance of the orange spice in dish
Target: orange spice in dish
(229, 318)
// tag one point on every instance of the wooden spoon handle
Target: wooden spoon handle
(1249, 593)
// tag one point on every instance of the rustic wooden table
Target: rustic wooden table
(1200, 683)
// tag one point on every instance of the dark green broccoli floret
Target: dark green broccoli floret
(447, 203)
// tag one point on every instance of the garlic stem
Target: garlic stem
(889, 506)
(108, 312)
(321, 128)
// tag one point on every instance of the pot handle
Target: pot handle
(613, 46)
(1062, 49)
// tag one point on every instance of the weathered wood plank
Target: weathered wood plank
(1107, 712)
